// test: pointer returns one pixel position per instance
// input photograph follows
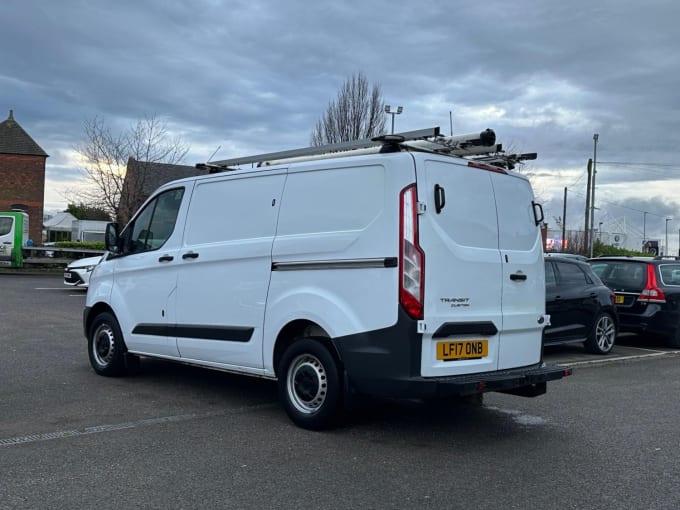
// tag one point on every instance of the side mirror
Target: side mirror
(111, 238)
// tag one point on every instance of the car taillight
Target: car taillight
(652, 293)
(411, 257)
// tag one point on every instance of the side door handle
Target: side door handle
(166, 258)
(190, 255)
(518, 277)
(439, 198)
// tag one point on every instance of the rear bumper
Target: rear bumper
(386, 363)
(655, 320)
(526, 382)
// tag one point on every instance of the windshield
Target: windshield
(6, 225)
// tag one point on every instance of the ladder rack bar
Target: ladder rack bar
(323, 149)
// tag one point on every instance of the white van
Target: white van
(388, 270)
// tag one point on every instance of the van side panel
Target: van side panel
(334, 256)
(225, 265)
(523, 272)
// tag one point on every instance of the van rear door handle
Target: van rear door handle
(518, 277)
(166, 258)
(190, 255)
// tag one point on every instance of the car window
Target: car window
(621, 275)
(572, 274)
(550, 278)
(156, 222)
(670, 274)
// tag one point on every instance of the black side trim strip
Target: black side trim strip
(485, 328)
(336, 264)
(228, 333)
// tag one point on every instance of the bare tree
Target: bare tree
(357, 113)
(105, 156)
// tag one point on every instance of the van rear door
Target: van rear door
(523, 279)
(458, 234)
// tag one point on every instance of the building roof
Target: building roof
(14, 140)
(151, 176)
(62, 221)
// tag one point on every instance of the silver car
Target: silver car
(77, 273)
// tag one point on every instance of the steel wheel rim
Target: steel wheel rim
(307, 383)
(605, 333)
(103, 345)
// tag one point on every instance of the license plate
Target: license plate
(618, 299)
(464, 349)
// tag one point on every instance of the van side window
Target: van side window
(156, 222)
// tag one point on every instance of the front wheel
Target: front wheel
(105, 345)
(310, 386)
(603, 335)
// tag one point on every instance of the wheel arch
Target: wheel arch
(95, 310)
(297, 329)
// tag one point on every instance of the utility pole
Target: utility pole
(592, 190)
(564, 220)
(586, 244)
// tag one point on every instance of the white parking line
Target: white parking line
(62, 434)
(602, 361)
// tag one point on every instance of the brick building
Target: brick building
(22, 175)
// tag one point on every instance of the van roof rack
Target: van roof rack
(425, 140)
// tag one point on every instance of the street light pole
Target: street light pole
(388, 110)
(592, 190)
(665, 251)
(644, 228)
(600, 231)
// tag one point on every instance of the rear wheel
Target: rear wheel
(310, 386)
(105, 346)
(602, 337)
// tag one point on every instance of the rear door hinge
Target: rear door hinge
(422, 207)
(422, 327)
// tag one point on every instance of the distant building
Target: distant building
(22, 175)
(142, 178)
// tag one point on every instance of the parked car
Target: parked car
(580, 306)
(567, 255)
(77, 273)
(647, 293)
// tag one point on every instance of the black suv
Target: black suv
(647, 293)
(580, 306)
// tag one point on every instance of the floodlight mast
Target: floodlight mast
(388, 110)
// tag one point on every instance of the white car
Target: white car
(77, 273)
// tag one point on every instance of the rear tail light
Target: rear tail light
(652, 293)
(411, 257)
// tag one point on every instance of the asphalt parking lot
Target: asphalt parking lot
(173, 436)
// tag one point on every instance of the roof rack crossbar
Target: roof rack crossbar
(335, 147)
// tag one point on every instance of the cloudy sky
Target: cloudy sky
(254, 76)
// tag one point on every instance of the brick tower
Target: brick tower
(22, 175)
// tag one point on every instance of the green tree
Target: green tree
(85, 212)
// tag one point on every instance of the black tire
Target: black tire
(105, 346)
(603, 335)
(310, 386)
